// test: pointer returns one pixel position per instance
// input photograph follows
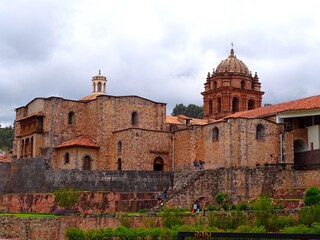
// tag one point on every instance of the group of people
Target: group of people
(198, 165)
(196, 207)
(162, 197)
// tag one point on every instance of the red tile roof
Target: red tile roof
(5, 158)
(181, 119)
(308, 103)
(81, 141)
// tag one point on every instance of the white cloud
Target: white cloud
(160, 50)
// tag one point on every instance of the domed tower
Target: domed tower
(99, 83)
(231, 88)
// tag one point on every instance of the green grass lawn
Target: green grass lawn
(29, 215)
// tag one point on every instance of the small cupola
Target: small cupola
(99, 84)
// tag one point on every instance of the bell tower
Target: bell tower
(230, 88)
(99, 84)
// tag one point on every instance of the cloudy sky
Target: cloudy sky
(160, 50)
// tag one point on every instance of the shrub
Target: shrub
(222, 198)
(263, 211)
(312, 191)
(211, 207)
(279, 222)
(75, 234)
(66, 197)
(227, 220)
(125, 220)
(243, 207)
(312, 196)
(250, 229)
(296, 229)
(309, 215)
(149, 222)
(171, 217)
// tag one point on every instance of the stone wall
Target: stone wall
(242, 184)
(31, 176)
(4, 173)
(55, 228)
(91, 202)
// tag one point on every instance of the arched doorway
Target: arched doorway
(87, 163)
(158, 164)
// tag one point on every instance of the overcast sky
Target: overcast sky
(160, 50)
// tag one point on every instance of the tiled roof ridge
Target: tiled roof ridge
(79, 141)
(306, 103)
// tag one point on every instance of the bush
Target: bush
(125, 221)
(263, 211)
(296, 229)
(312, 191)
(227, 220)
(312, 196)
(279, 222)
(211, 207)
(171, 217)
(312, 200)
(66, 197)
(243, 207)
(222, 198)
(309, 215)
(75, 234)
(250, 229)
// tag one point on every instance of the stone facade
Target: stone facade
(103, 132)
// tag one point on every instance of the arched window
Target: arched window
(215, 134)
(260, 132)
(31, 147)
(210, 106)
(215, 85)
(251, 104)
(219, 104)
(243, 85)
(99, 87)
(66, 158)
(22, 149)
(87, 163)
(27, 148)
(119, 147)
(158, 164)
(119, 164)
(134, 118)
(71, 118)
(252, 85)
(235, 104)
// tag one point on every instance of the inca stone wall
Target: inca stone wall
(32, 176)
(242, 184)
(91, 202)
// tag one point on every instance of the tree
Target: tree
(179, 109)
(191, 110)
(6, 137)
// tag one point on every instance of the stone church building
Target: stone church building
(105, 132)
